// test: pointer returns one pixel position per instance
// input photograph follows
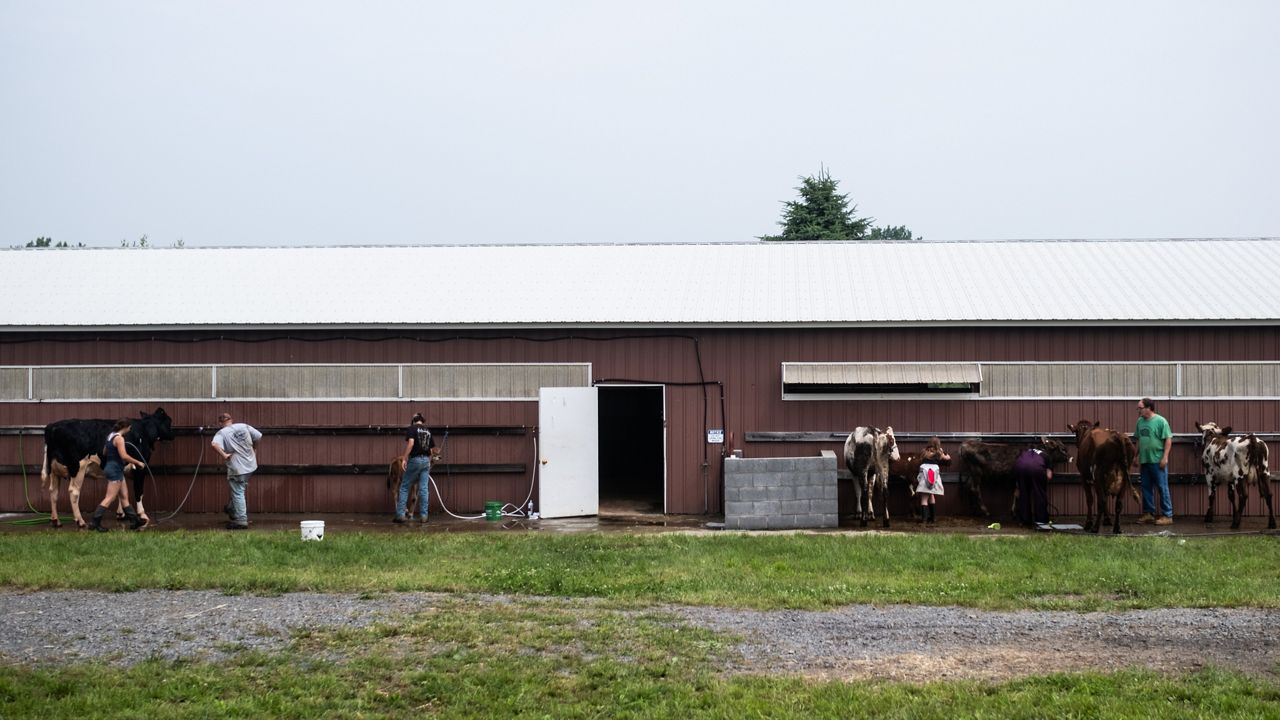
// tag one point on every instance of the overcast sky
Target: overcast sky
(318, 123)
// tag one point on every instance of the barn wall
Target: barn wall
(746, 362)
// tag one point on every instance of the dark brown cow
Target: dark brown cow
(984, 462)
(1240, 462)
(1103, 457)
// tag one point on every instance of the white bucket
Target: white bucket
(312, 530)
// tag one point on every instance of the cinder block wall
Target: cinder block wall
(774, 493)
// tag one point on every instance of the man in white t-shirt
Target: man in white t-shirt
(237, 444)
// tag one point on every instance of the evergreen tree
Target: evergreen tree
(821, 213)
(44, 242)
(892, 232)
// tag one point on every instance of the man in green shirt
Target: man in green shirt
(1154, 441)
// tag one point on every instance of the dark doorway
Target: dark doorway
(632, 449)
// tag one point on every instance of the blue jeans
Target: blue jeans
(237, 483)
(415, 471)
(1155, 476)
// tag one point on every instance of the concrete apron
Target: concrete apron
(339, 523)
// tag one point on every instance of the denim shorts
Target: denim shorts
(114, 471)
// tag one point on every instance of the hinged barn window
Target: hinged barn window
(800, 380)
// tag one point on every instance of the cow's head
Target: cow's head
(155, 426)
(1054, 450)
(889, 444)
(1210, 430)
(933, 453)
(1081, 428)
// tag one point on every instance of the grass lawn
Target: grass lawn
(540, 657)
(735, 570)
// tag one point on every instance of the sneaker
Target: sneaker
(1146, 518)
(1164, 520)
(237, 526)
(399, 519)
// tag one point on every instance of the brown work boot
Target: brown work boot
(1146, 518)
(1164, 520)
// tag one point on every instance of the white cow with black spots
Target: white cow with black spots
(1239, 462)
(867, 453)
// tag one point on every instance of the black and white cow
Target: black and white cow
(72, 448)
(1240, 462)
(867, 453)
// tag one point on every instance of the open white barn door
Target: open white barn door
(569, 452)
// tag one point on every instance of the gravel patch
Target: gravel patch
(905, 643)
(915, 643)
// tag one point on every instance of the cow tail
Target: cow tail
(1257, 453)
(44, 467)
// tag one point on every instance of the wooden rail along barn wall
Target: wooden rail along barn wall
(782, 347)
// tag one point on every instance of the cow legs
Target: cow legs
(1089, 499)
(1213, 496)
(73, 489)
(1234, 492)
(1115, 528)
(51, 481)
(883, 482)
(975, 493)
(139, 485)
(1237, 505)
(867, 507)
(1264, 489)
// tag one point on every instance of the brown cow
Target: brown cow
(1240, 462)
(395, 475)
(984, 462)
(1103, 457)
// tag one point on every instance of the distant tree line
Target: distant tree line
(141, 243)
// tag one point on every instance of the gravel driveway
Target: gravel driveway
(890, 642)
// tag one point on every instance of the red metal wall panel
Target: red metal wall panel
(747, 362)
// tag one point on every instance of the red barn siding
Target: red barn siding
(747, 362)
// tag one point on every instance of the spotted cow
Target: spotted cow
(867, 453)
(1238, 461)
(72, 448)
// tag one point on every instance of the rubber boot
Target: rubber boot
(135, 521)
(932, 513)
(924, 513)
(95, 522)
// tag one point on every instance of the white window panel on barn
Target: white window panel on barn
(120, 382)
(14, 383)
(491, 382)
(1030, 380)
(1230, 379)
(354, 382)
(307, 382)
(876, 380)
(1079, 380)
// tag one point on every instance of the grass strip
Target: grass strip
(555, 659)
(732, 570)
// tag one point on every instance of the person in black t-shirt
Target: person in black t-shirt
(416, 460)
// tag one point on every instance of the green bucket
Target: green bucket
(493, 510)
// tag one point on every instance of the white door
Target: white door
(569, 452)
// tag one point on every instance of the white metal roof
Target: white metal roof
(1071, 281)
